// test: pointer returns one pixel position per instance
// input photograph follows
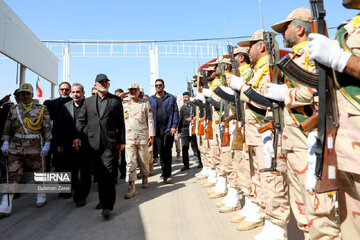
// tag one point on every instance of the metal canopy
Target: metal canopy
(19, 43)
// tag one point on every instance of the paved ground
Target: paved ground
(179, 211)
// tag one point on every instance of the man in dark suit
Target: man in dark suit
(76, 161)
(104, 117)
(54, 107)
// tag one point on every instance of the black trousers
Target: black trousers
(164, 143)
(80, 172)
(185, 140)
(105, 165)
(122, 164)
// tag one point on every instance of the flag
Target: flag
(38, 89)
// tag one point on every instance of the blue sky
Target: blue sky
(145, 20)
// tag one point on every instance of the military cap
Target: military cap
(141, 89)
(134, 85)
(237, 50)
(100, 77)
(26, 87)
(257, 36)
(302, 14)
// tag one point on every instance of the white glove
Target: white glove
(267, 147)
(45, 149)
(5, 147)
(207, 92)
(276, 91)
(235, 82)
(200, 97)
(327, 52)
(227, 90)
(311, 160)
(192, 99)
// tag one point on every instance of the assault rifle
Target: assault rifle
(238, 138)
(326, 162)
(274, 122)
(209, 130)
(192, 121)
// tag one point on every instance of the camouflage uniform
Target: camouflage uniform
(313, 212)
(269, 189)
(347, 145)
(240, 176)
(139, 127)
(24, 149)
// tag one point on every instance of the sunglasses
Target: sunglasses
(64, 89)
(158, 85)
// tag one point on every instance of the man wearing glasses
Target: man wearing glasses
(54, 106)
(166, 115)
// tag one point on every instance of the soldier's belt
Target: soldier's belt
(27, 136)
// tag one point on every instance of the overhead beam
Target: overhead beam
(19, 43)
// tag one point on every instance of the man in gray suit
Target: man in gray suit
(75, 160)
(103, 116)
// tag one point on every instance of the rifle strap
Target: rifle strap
(348, 86)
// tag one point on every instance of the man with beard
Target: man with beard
(54, 107)
(139, 135)
(103, 116)
(166, 115)
(75, 161)
(343, 56)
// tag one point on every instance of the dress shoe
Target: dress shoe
(80, 204)
(237, 218)
(99, 206)
(67, 195)
(200, 165)
(185, 168)
(246, 226)
(106, 213)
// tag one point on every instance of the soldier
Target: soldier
(313, 212)
(139, 135)
(26, 137)
(213, 143)
(345, 60)
(239, 178)
(270, 200)
(224, 166)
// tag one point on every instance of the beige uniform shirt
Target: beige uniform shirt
(297, 97)
(347, 143)
(13, 129)
(139, 122)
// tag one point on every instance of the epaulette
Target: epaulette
(125, 101)
(144, 100)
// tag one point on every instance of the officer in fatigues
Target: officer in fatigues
(26, 137)
(343, 56)
(139, 135)
(315, 213)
